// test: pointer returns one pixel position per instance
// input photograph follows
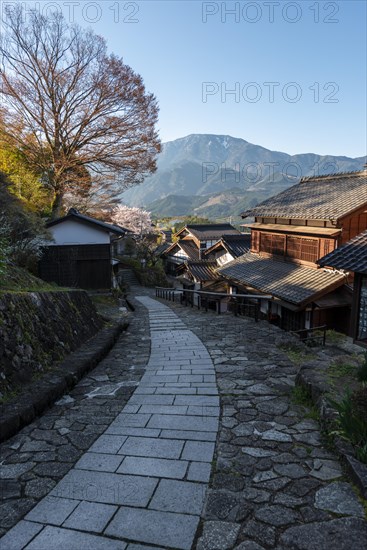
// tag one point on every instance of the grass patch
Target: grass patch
(302, 397)
(296, 353)
(342, 373)
(16, 279)
(334, 337)
(104, 299)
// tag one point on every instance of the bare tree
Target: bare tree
(72, 108)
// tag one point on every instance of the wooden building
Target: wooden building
(228, 248)
(352, 257)
(192, 241)
(80, 254)
(290, 232)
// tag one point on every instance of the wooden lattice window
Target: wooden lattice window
(328, 246)
(302, 248)
(309, 250)
(272, 243)
(294, 247)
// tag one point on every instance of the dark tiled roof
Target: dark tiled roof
(212, 231)
(320, 198)
(187, 246)
(351, 256)
(161, 249)
(190, 248)
(73, 213)
(202, 270)
(290, 282)
(237, 244)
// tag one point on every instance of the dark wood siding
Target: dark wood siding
(80, 266)
(255, 241)
(353, 225)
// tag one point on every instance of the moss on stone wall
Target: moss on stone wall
(38, 329)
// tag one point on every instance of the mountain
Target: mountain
(214, 174)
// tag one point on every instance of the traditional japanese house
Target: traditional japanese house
(80, 254)
(197, 275)
(228, 248)
(352, 257)
(191, 243)
(290, 232)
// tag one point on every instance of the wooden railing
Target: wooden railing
(308, 334)
(242, 303)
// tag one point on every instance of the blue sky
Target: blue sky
(297, 70)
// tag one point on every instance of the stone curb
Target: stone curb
(41, 394)
(310, 378)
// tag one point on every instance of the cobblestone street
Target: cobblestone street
(185, 436)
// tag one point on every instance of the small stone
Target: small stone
(65, 400)
(339, 498)
(10, 471)
(273, 407)
(276, 515)
(9, 489)
(294, 471)
(326, 470)
(350, 533)
(218, 535)
(257, 452)
(265, 476)
(38, 488)
(220, 504)
(264, 534)
(274, 435)
(249, 545)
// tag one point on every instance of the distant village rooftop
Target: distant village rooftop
(208, 232)
(328, 197)
(201, 270)
(236, 245)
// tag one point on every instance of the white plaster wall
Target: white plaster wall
(224, 259)
(72, 232)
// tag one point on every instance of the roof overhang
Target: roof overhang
(299, 229)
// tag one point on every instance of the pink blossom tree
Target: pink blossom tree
(133, 218)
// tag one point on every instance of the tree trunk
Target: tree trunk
(57, 210)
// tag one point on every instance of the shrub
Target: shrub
(352, 420)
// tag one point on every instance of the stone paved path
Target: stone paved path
(149, 454)
(274, 483)
(144, 479)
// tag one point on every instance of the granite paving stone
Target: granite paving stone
(99, 462)
(108, 488)
(89, 516)
(20, 535)
(52, 510)
(176, 422)
(155, 467)
(150, 526)
(199, 471)
(67, 539)
(199, 451)
(179, 496)
(153, 447)
(108, 443)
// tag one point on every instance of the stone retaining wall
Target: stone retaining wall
(38, 329)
